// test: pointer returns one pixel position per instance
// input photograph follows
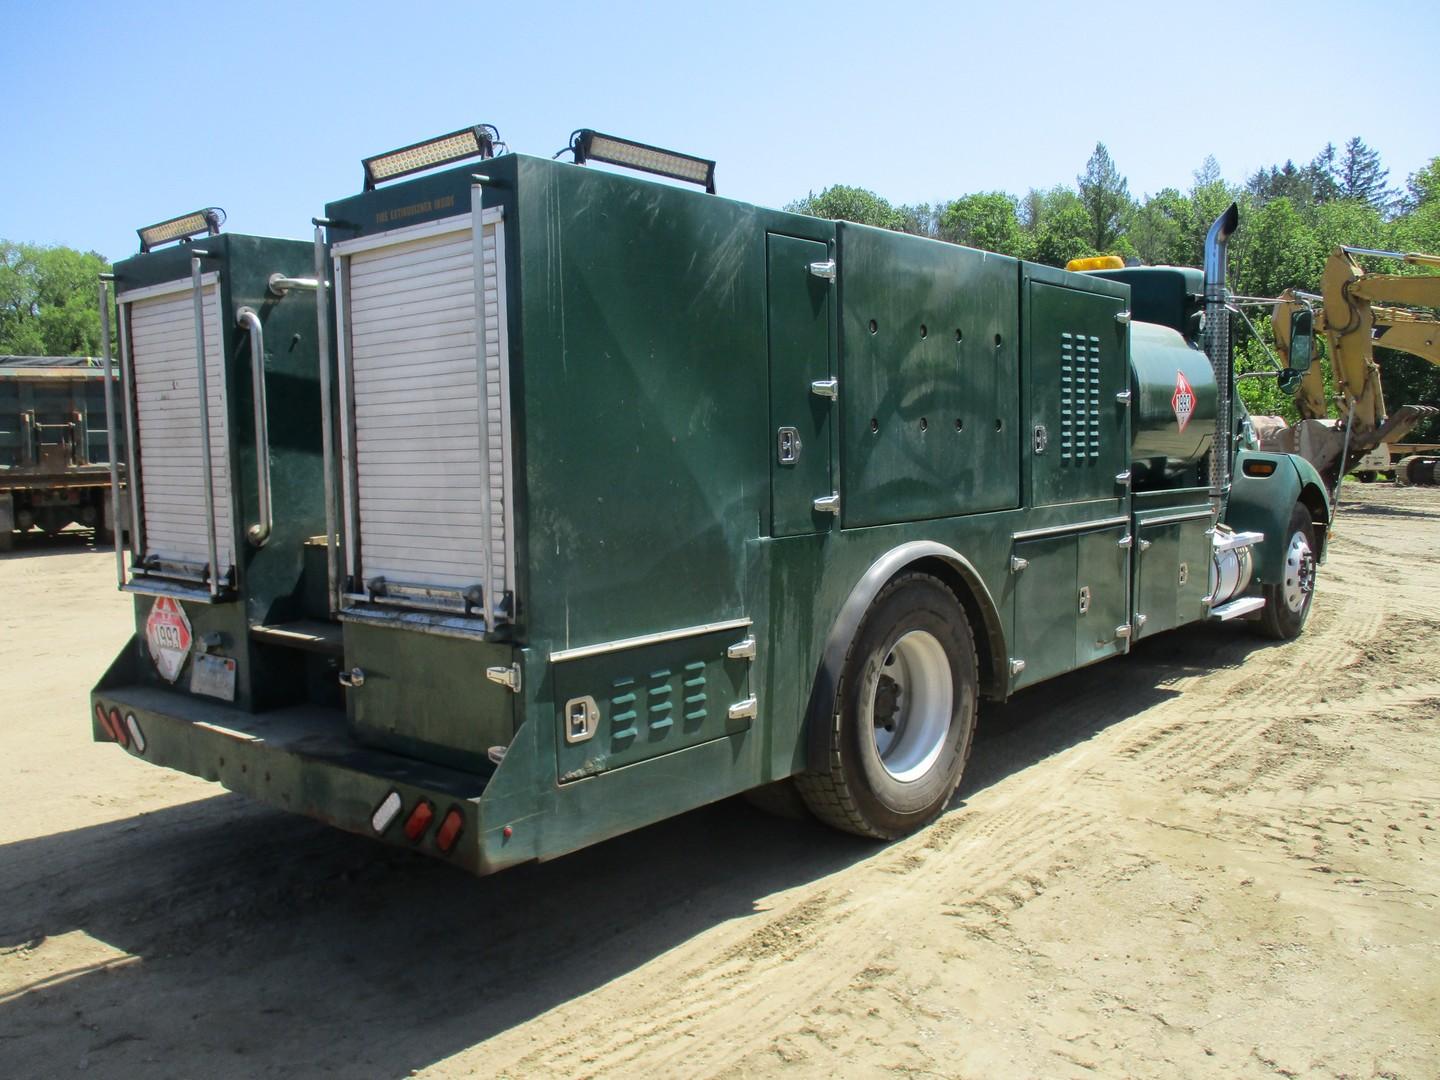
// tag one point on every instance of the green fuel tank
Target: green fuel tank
(1173, 399)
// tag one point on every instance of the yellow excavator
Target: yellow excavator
(1356, 312)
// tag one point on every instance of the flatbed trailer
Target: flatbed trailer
(599, 499)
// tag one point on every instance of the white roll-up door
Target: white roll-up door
(167, 403)
(431, 419)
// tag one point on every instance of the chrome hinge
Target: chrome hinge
(1123, 397)
(1016, 666)
(742, 650)
(508, 677)
(1140, 620)
(1123, 630)
(352, 679)
(1123, 479)
(1125, 541)
(1123, 318)
(826, 388)
(745, 710)
(828, 504)
(825, 269)
(1018, 564)
(1042, 438)
(1144, 545)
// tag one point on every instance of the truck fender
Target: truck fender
(1263, 504)
(944, 563)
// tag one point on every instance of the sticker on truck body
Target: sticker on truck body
(1183, 401)
(167, 633)
(213, 676)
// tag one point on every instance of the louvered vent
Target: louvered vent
(431, 416)
(161, 335)
(1079, 398)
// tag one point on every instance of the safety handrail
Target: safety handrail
(260, 531)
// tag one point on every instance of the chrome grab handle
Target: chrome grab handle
(260, 531)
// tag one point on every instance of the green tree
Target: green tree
(1159, 229)
(842, 203)
(1065, 235)
(1105, 196)
(1275, 250)
(1359, 175)
(1322, 174)
(987, 220)
(1423, 186)
(48, 300)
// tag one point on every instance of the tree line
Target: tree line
(1291, 217)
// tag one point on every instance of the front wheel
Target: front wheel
(1287, 603)
(904, 717)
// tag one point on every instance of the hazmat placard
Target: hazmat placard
(167, 632)
(1183, 401)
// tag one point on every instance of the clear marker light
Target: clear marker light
(136, 735)
(386, 813)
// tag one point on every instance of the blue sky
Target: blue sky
(123, 114)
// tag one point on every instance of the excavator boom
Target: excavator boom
(1356, 313)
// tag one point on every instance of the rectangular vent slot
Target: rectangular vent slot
(1079, 398)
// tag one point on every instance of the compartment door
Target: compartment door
(1046, 608)
(618, 708)
(1103, 595)
(1078, 440)
(800, 419)
(1157, 573)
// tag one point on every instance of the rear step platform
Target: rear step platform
(302, 759)
(309, 635)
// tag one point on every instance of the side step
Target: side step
(1235, 608)
(308, 635)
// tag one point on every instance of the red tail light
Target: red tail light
(117, 728)
(419, 820)
(103, 720)
(450, 829)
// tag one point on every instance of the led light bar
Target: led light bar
(207, 220)
(593, 146)
(477, 141)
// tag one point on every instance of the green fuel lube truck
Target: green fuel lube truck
(584, 499)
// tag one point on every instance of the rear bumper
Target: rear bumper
(298, 759)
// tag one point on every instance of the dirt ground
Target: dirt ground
(1216, 857)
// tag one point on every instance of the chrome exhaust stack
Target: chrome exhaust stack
(1217, 347)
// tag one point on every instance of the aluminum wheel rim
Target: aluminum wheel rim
(1299, 572)
(910, 705)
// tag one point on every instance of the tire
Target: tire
(1287, 603)
(7, 540)
(905, 715)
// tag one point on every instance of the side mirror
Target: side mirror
(1302, 340)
